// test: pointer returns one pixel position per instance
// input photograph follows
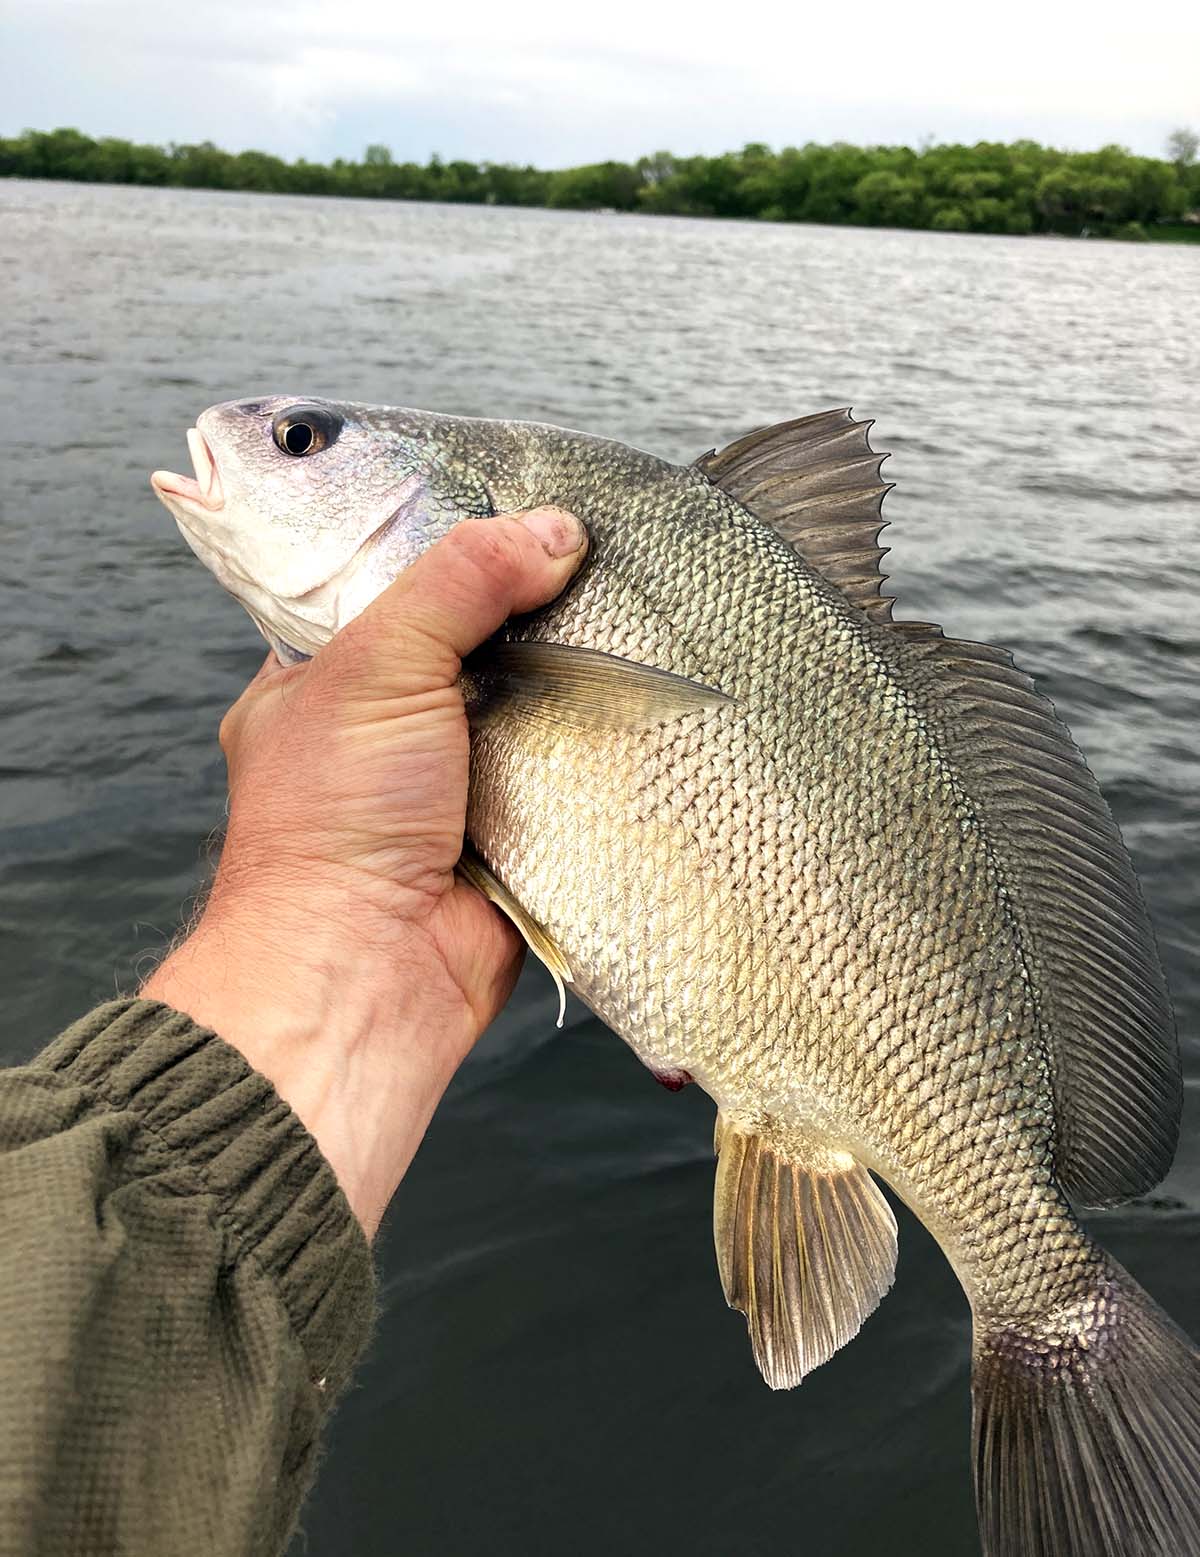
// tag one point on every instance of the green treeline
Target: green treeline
(989, 187)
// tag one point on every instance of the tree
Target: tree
(991, 186)
(203, 166)
(602, 186)
(950, 218)
(656, 169)
(257, 170)
(885, 199)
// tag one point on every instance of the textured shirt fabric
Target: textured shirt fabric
(183, 1293)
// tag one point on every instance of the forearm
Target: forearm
(348, 1026)
(184, 1291)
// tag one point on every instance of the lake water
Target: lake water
(555, 1370)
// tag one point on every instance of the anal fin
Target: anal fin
(806, 1245)
(473, 869)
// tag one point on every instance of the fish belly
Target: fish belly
(815, 947)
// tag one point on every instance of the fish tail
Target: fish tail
(1087, 1429)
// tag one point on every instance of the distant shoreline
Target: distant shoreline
(1019, 189)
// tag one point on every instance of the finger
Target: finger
(456, 594)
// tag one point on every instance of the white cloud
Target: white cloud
(531, 78)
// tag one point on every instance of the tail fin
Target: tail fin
(1087, 1430)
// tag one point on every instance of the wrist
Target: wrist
(356, 1033)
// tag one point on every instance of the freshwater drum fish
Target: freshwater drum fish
(850, 875)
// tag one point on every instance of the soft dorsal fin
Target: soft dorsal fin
(1101, 994)
(1095, 974)
(816, 481)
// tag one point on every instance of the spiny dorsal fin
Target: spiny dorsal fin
(806, 1245)
(1095, 975)
(816, 481)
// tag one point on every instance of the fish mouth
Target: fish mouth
(204, 489)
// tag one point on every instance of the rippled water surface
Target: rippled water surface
(555, 1370)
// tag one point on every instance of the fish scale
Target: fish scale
(849, 875)
(759, 1026)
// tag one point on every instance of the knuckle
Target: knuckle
(227, 729)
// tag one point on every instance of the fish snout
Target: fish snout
(204, 488)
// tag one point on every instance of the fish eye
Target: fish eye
(305, 429)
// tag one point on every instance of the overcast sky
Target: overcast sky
(561, 83)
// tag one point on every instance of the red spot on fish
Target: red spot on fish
(673, 1080)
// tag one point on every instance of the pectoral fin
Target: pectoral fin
(582, 689)
(473, 869)
(806, 1245)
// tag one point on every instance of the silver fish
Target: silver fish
(850, 875)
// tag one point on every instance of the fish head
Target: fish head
(306, 509)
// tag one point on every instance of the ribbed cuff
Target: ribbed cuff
(221, 1120)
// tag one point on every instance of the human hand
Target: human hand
(337, 949)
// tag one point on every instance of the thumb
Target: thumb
(414, 636)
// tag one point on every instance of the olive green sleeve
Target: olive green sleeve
(183, 1293)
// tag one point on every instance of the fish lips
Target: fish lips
(203, 489)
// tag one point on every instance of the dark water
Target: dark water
(555, 1370)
